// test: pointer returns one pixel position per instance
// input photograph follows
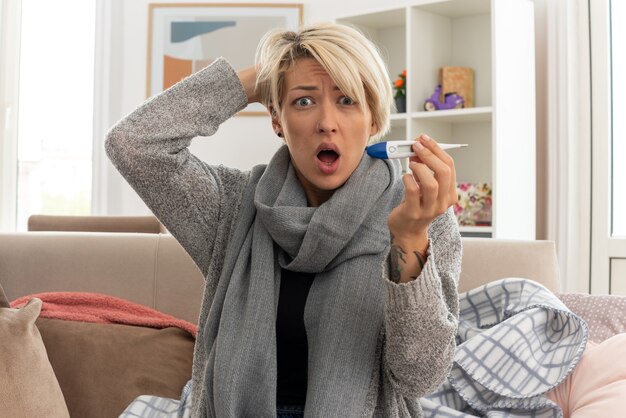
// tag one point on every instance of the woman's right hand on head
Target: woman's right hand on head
(248, 80)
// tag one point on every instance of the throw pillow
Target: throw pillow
(597, 385)
(605, 314)
(29, 386)
(102, 367)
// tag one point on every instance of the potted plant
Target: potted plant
(400, 92)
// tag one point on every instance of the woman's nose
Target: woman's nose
(327, 122)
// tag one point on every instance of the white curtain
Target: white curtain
(563, 133)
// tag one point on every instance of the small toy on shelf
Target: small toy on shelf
(450, 101)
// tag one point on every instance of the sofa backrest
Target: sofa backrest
(143, 224)
(151, 269)
(154, 270)
(486, 260)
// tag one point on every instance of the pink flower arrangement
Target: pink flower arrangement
(474, 205)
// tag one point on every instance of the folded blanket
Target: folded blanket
(516, 341)
(103, 309)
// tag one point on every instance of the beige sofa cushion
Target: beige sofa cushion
(102, 367)
(29, 386)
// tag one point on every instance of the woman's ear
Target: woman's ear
(373, 129)
(276, 125)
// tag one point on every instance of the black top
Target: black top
(291, 343)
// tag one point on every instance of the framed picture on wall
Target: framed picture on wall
(184, 38)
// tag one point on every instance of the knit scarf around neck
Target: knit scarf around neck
(344, 242)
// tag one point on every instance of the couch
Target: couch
(101, 368)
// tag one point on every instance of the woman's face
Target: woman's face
(326, 131)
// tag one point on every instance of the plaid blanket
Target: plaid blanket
(516, 341)
(146, 406)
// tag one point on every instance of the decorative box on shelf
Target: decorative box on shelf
(459, 80)
(474, 205)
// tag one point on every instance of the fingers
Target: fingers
(441, 170)
(434, 147)
(411, 191)
(247, 76)
(430, 187)
(442, 165)
(421, 187)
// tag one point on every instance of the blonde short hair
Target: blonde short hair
(351, 60)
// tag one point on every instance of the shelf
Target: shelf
(378, 20)
(476, 229)
(474, 114)
(459, 8)
(496, 40)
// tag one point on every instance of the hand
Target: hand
(430, 189)
(248, 80)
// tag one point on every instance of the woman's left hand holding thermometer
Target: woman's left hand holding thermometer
(430, 189)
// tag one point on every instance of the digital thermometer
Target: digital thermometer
(399, 149)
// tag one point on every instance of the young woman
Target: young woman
(330, 277)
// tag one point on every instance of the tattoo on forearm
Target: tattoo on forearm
(421, 259)
(397, 261)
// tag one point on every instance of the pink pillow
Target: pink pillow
(597, 386)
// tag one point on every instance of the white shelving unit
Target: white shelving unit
(496, 39)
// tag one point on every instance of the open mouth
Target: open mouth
(327, 156)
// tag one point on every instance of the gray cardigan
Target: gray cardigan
(199, 204)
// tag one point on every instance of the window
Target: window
(608, 223)
(618, 110)
(55, 122)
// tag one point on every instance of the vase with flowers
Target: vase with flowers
(400, 92)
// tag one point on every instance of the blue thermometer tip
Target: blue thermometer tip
(378, 150)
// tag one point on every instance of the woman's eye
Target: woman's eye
(345, 100)
(303, 101)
